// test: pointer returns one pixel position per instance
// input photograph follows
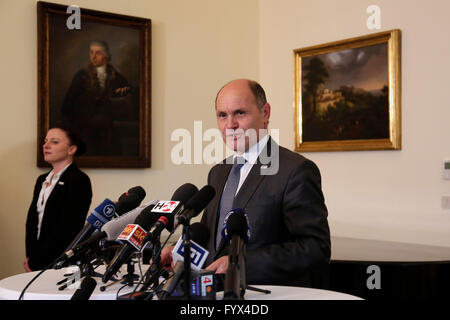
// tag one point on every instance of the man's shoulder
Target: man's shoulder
(288, 155)
(221, 165)
(82, 74)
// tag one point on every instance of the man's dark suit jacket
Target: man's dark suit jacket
(64, 216)
(288, 219)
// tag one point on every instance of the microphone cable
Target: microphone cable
(35, 277)
(146, 276)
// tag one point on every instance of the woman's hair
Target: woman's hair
(74, 139)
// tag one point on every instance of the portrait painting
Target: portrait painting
(95, 79)
(347, 94)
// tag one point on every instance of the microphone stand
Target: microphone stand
(127, 279)
(235, 282)
(151, 276)
(187, 260)
(85, 269)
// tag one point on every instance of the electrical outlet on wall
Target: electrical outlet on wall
(446, 170)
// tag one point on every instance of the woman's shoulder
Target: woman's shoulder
(74, 172)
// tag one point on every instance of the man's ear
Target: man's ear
(266, 113)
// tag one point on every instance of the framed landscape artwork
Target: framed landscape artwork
(347, 94)
(96, 80)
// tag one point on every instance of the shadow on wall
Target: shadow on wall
(18, 173)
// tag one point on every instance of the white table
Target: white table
(45, 288)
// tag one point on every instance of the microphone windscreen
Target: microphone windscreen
(184, 193)
(138, 191)
(236, 223)
(146, 220)
(199, 233)
(87, 286)
(130, 200)
(201, 199)
(115, 227)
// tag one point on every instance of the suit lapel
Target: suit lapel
(54, 196)
(252, 181)
(249, 186)
(224, 171)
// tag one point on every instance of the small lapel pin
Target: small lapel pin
(61, 182)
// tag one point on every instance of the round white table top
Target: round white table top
(45, 288)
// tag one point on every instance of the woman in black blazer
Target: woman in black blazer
(61, 201)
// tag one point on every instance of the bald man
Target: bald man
(285, 206)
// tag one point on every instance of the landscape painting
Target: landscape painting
(347, 94)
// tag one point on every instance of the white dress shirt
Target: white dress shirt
(251, 157)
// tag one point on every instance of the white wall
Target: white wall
(197, 46)
(388, 195)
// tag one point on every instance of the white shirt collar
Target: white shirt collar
(55, 177)
(102, 69)
(252, 154)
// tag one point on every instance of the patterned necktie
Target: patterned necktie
(226, 202)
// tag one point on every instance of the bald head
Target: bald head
(243, 85)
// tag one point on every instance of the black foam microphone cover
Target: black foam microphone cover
(184, 193)
(201, 199)
(237, 224)
(146, 219)
(130, 200)
(138, 191)
(199, 233)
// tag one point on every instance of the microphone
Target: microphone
(149, 219)
(234, 225)
(167, 210)
(133, 235)
(199, 234)
(114, 228)
(85, 291)
(130, 200)
(237, 231)
(110, 230)
(196, 204)
(105, 212)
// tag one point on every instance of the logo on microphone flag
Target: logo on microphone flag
(198, 254)
(134, 235)
(102, 214)
(164, 206)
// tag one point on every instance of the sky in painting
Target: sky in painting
(365, 67)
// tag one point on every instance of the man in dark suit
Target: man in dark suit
(283, 199)
(101, 106)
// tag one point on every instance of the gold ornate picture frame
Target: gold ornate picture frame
(347, 94)
(107, 103)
